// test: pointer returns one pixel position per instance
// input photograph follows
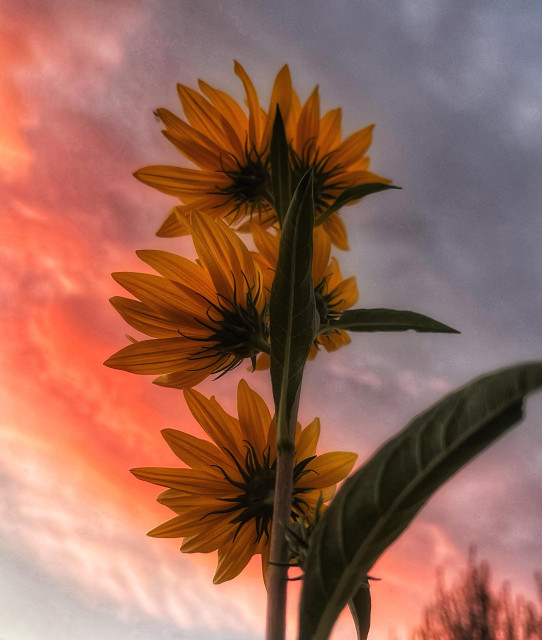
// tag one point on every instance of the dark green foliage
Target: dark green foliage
(377, 503)
(292, 309)
(280, 168)
(353, 193)
(366, 320)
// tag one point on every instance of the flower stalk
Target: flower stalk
(277, 574)
(282, 175)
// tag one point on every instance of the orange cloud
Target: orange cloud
(15, 154)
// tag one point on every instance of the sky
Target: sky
(455, 91)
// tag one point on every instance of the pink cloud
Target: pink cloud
(70, 140)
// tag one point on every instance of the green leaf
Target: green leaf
(360, 608)
(353, 193)
(280, 168)
(378, 502)
(387, 320)
(292, 309)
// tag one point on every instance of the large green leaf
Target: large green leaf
(378, 502)
(360, 608)
(280, 168)
(387, 320)
(292, 309)
(353, 193)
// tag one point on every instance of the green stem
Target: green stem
(277, 573)
(258, 342)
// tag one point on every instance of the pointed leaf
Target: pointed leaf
(377, 503)
(387, 320)
(360, 608)
(280, 168)
(353, 193)
(292, 307)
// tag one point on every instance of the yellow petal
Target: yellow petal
(171, 227)
(177, 181)
(330, 131)
(234, 556)
(313, 352)
(204, 117)
(170, 299)
(334, 340)
(169, 529)
(354, 147)
(293, 119)
(309, 125)
(195, 452)
(192, 370)
(217, 424)
(194, 506)
(209, 539)
(227, 259)
(151, 357)
(321, 253)
(305, 445)
(215, 252)
(181, 270)
(148, 321)
(226, 105)
(267, 244)
(190, 480)
(361, 176)
(334, 227)
(345, 294)
(196, 153)
(330, 468)
(180, 527)
(255, 118)
(333, 275)
(190, 142)
(312, 498)
(254, 417)
(262, 362)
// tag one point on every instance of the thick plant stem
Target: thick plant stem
(277, 573)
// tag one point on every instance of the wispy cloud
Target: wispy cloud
(454, 90)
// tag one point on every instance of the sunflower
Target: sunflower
(333, 294)
(224, 498)
(231, 152)
(338, 165)
(204, 318)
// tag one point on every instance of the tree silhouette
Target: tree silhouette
(471, 610)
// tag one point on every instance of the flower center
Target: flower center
(326, 182)
(325, 302)
(236, 332)
(256, 491)
(249, 187)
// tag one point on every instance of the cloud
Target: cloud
(454, 90)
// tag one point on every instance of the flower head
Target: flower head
(232, 154)
(224, 498)
(333, 294)
(204, 318)
(230, 150)
(338, 165)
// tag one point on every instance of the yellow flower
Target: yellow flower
(224, 498)
(333, 294)
(338, 165)
(231, 152)
(204, 318)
